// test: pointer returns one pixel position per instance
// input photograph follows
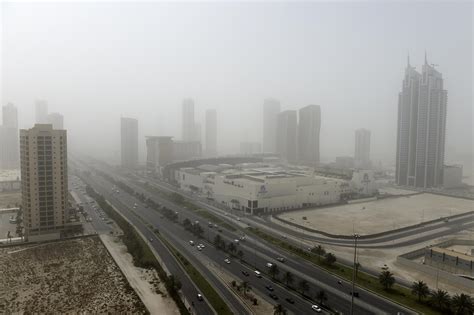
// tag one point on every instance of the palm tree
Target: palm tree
(274, 270)
(231, 247)
(245, 286)
(217, 241)
(240, 254)
(320, 251)
(321, 296)
(386, 279)
(420, 289)
(288, 278)
(279, 310)
(462, 304)
(440, 298)
(330, 259)
(303, 285)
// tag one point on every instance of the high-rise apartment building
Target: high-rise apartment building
(287, 129)
(159, 153)
(271, 109)
(10, 116)
(41, 108)
(57, 120)
(308, 134)
(9, 144)
(362, 148)
(129, 142)
(422, 106)
(44, 181)
(188, 124)
(211, 132)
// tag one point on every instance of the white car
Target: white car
(269, 265)
(191, 243)
(199, 248)
(316, 308)
(201, 245)
(227, 261)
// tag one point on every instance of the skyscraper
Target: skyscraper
(362, 148)
(44, 181)
(10, 116)
(57, 120)
(41, 108)
(9, 144)
(159, 153)
(189, 129)
(271, 109)
(129, 142)
(308, 134)
(211, 132)
(422, 105)
(286, 145)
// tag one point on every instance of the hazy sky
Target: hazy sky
(96, 61)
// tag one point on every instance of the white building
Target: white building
(264, 189)
(363, 182)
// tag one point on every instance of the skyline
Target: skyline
(363, 100)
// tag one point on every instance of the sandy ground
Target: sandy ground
(64, 277)
(381, 215)
(10, 199)
(140, 279)
(263, 306)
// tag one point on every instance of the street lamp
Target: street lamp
(356, 236)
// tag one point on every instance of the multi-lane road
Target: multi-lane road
(257, 254)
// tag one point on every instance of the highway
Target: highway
(339, 297)
(180, 239)
(188, 287)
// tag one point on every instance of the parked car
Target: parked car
(199, 297)
(227, 261)
(290, 300)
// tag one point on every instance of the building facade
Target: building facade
(188, 124)
(308, 134)
(265, 189)
(57, 120)
(362, 148)
(44, 181)
(452, 176)
(9, 142)
(41, 112)
(422, 106)
(287, 130)
(211, 132)
(129, 142)
(271, 109)
(159, 152)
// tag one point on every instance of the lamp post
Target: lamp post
(356, 236)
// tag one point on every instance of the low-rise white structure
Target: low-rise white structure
(363, 182)
(264, 189)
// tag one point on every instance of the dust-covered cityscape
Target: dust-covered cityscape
(228, 157)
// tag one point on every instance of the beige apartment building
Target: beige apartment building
(44, 181)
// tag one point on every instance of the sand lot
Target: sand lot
(65, 277)
(380, 215)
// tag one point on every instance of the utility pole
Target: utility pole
(356, 236)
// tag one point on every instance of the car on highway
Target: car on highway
(151, 240)
(227, 261)
(269, 265)
(201, 245)
(269, 287)
(316, 308)
(280, 259)
(356, 294)
(199, 248)
(245, 273)
(273, 296)
(290, 300)
(258, 274)
(191, 243)
(236, 241)
(199, 297)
